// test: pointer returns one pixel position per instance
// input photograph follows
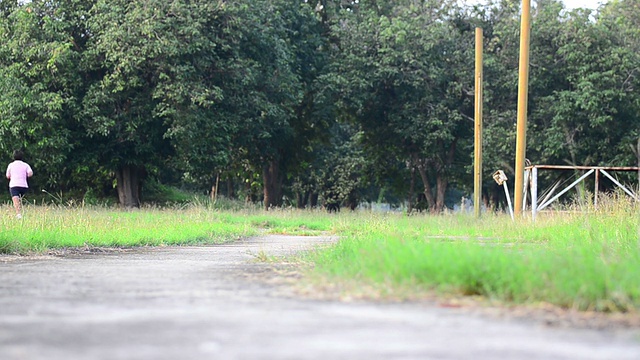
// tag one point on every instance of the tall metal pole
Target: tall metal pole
(477, 178)
(523, 85)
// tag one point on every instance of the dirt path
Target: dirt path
(199, 303)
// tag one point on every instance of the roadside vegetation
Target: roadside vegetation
(50, 227)
(581, 260)
(573, 260)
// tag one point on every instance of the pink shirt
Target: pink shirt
(17, 173)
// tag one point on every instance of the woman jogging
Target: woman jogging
(17, 173)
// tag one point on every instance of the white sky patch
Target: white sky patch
(589, 4)
(569, 4)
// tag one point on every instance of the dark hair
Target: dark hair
(17, 155)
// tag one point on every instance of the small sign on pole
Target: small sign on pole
(501, 179)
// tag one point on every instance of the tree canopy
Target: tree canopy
(310, 102)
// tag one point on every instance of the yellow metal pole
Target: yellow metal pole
(477, 178)
(523, 84)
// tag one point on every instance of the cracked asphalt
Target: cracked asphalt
(204, 303)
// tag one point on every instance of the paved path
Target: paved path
(197, 303)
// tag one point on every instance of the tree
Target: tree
(579, 88)
(146, 61)
(199, 91)
(340, 173)
(40, 85)
(402, 76)
(622, 19)
(281, 55)
(581, 73)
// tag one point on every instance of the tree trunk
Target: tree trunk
(428, 192)
(307, 198)
(442, 178)
(441, 190)
(352, 201)
(313, 200)
(230, 188)
(300, 200)
(436, 204)
(215, 188)
(128, 185)
(494, 200)
(272, 185)
(249, 193)
(412, 189)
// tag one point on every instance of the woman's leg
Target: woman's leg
(16, 196)
(17, 204)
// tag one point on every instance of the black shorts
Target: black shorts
(18, 191)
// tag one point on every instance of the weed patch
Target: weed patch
(584, 262)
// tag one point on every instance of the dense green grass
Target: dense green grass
(582, 261)
(50, 227)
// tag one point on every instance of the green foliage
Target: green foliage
(582, 103)
(585, 99)
(187, 92)
(402, 76)
(154, 192)
(39, 83)
(345, 169)
(150, 64)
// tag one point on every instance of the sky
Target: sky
(591, 4)
(570, 4)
